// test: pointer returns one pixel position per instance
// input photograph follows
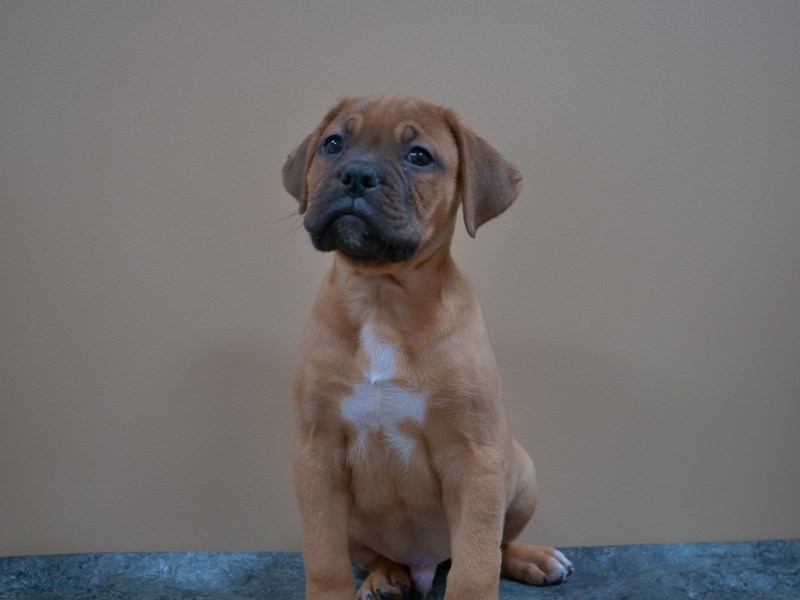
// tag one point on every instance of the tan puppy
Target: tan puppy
(403, 456)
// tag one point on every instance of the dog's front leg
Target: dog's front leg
(474, 498)
(323, 496)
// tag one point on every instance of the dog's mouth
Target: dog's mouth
(352, 235)
(360, 232)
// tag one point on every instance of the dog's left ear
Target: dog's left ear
(487, 182)
(295, 169)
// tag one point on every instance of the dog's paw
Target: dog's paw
(535, 565)
(389, 581)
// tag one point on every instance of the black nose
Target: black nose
(358, 178)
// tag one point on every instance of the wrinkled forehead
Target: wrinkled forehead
(393, 118)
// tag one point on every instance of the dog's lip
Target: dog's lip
(357, 207)
(387, 240)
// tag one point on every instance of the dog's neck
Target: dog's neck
(407, 294)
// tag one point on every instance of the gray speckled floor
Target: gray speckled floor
(723, 571)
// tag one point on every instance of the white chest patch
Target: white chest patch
(377, 404)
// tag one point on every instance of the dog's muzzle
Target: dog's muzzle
(364, 213)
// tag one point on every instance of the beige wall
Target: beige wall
(643, 294)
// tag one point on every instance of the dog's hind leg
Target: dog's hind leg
(535, 565)
(385, 580)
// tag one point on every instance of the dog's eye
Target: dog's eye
(333, 144)
(419, 156)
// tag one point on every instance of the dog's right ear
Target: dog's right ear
(295, 169)
(294, 173)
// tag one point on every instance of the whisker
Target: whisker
(295, 226)
(289, 216)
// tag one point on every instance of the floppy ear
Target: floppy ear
(487, 182)
(294, 173)
(295, 169)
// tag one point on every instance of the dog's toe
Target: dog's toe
(389, 581)
(535, 565)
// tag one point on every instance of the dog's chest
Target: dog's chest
(378, 404)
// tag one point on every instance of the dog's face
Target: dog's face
(380, 180)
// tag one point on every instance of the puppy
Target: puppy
(403, 457)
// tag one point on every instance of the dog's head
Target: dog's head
(381, 178)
